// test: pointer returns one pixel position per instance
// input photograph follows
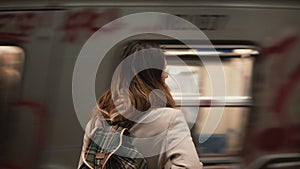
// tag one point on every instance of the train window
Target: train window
(227, 138)
(11, 65)
(237, 63)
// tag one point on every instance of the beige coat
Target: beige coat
(163, 137)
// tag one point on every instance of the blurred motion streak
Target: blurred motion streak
(274, 127)
(86, 22)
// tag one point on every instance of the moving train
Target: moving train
(234, 71)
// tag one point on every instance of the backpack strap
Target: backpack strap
(103, 143)
(120, 138)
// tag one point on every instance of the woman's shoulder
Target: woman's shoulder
(167, 110)
(159, 119)
(162, 113)
(162, 124)
(94, 123)
(169, 113)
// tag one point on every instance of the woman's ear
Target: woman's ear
(164, 76)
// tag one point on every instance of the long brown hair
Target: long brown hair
(137, 83)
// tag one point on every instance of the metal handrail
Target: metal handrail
(268, 160)
(220, 101)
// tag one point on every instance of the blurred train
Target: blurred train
(253, 122)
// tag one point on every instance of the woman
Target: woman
(140, 100)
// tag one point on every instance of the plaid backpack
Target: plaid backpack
(109, 149)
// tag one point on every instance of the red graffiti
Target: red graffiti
(285, 90)
(280, 53)
(17, 27)
(274, 138)
(6, 19)
(82, 24)
(286, 135)
(26, 23)
(288, 85)
(280, 47)
(42, 125)
(12, 38)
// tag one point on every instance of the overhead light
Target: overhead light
(10, 49)
(246, 51)
(219, 52)
(190, 52)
